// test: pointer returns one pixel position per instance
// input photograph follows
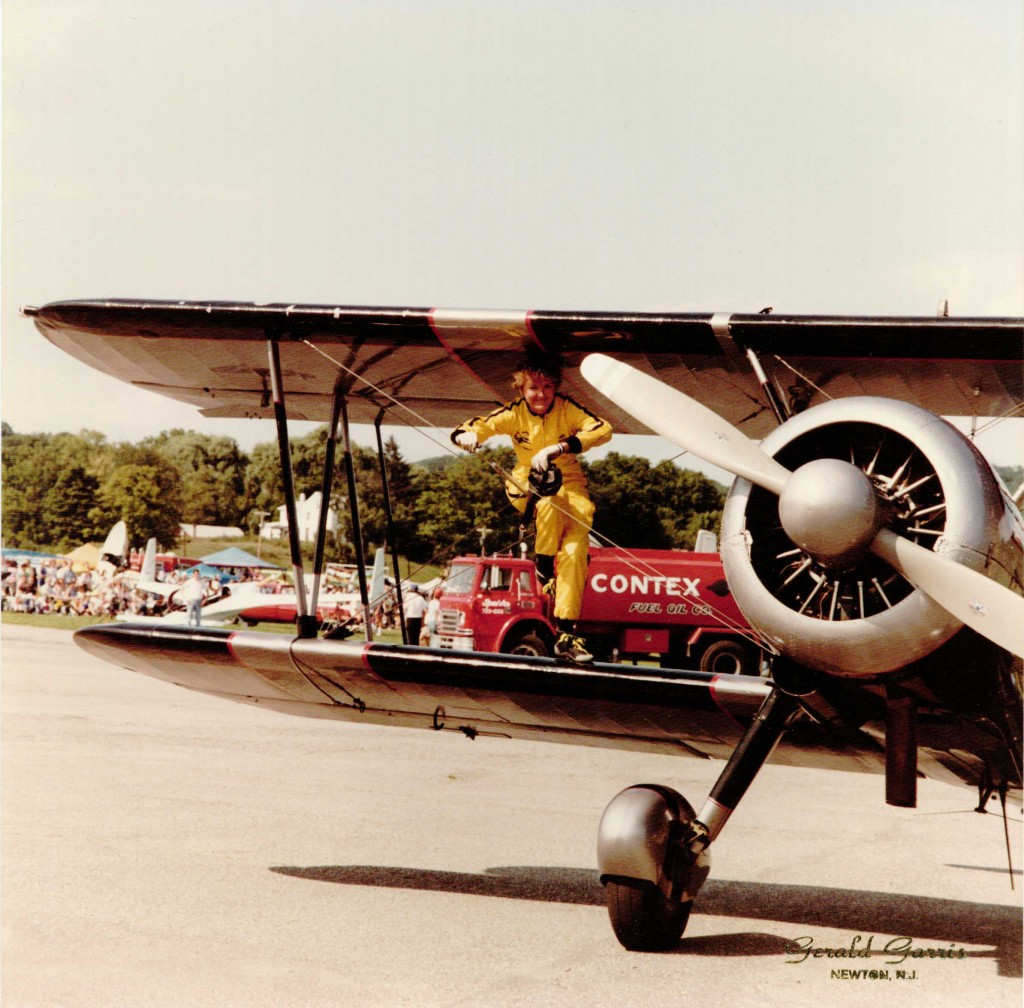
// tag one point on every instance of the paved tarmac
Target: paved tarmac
(163, 848)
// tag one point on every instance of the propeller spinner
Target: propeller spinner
(830, 509)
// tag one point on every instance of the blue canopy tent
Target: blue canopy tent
(234, 556)
(212, 573)
(27, 554)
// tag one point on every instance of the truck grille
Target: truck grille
(448, 621)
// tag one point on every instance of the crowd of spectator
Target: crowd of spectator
(53, 585)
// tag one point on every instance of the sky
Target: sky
(838, 158)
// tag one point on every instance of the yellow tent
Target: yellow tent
(84, 557)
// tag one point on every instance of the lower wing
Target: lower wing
(689, 713)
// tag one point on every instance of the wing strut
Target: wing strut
(779, 408)
(305, 623)
(325, 496)
(389, 514)
(357, 531)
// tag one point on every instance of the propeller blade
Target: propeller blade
(979, 602)
(684, 421)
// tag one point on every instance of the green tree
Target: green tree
(88, 449)
(28, 459)
(212, 472)
(626, 511)
(370, 496)
(69, 501)
(687, 502)
(1012, 476)
(453, 503)
(659, 507)
(49, 491)
(146, 496)
(263, 489)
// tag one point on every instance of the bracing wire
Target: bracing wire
(802, 377)
(1014, 411)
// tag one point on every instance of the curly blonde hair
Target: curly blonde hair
(549, 367)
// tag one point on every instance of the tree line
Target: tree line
(60, 490)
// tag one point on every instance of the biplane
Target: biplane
(872, 548)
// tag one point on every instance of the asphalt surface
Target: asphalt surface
(163, 848)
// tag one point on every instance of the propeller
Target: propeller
(986, 606)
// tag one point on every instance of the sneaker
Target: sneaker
(572, 648)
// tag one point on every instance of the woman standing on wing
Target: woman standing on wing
(549, 429)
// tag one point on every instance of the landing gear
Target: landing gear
(652, 846)
(649, 871)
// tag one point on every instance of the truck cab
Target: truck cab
(494, 604)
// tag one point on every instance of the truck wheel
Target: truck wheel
(601, 648)
(527, 644)
(727, 657)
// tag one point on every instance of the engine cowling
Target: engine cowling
(828, 602)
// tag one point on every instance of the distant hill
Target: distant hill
(438, 463)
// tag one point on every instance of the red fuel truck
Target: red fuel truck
(637, 603)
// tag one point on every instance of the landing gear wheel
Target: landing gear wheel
(726, 657)
(529, 644)
(642, 918)
(652, 864)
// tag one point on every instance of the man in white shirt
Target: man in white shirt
(415, 606)
(192, 593)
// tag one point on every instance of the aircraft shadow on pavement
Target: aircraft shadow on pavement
(924, 918)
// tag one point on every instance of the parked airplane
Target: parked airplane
(868, 542)
(253, 602)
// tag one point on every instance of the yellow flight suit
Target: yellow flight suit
(563, 520)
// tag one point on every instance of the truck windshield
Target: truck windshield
(460, 579)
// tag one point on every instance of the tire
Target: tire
(642, 919)
(529, 644)
(728, 657)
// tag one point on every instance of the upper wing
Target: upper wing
(435, 367)
(694, 714)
